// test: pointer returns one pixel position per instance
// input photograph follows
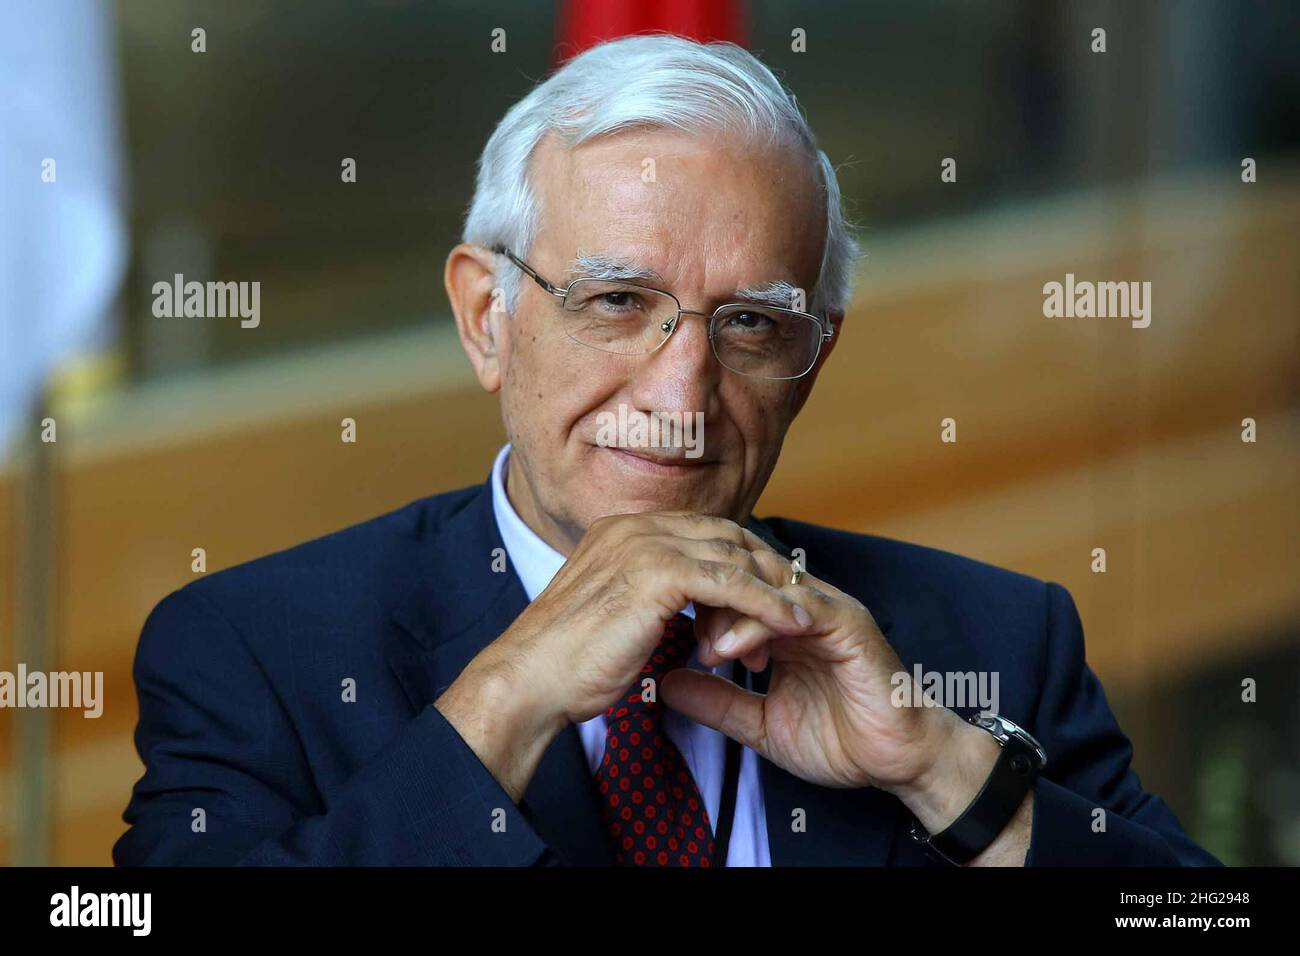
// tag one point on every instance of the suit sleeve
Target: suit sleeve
(1088, 770)
(227, 781)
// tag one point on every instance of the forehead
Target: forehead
(707, 210)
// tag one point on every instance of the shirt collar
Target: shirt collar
(535, 561)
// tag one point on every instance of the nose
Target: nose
(682, 374)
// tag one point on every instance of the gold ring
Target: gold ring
(796, 571)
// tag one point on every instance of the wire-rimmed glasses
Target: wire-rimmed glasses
(626, 318)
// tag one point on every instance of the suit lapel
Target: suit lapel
(808, 825)
(451, 606)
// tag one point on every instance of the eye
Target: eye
(605, 298)
(619, 300)
(749, 321)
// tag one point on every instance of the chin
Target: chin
(607, 482)
(627, 506)
(633, 503)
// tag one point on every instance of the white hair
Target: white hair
(648, 81)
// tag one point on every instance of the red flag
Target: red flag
(584, 23)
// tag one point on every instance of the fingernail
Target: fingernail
(802, 616)
(725, 643)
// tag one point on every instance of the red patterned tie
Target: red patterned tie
(653, 810)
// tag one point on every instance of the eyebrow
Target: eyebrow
(778, 293)
(611, 268)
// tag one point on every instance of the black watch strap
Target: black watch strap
(992, 809)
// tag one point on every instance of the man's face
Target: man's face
(718, 215)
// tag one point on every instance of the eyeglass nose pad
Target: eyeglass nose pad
(667, 327)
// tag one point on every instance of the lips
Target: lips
(655, 459)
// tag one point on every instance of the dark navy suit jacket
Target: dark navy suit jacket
(241, 681)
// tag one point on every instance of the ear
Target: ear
(805, 385)
(476, 302)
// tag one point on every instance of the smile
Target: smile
(644, 461)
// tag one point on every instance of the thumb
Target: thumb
(718, 703)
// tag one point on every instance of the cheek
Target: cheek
(761, 413)
(550, 386)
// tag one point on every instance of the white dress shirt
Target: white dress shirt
(704, 748)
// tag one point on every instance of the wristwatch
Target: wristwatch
(1017, 767)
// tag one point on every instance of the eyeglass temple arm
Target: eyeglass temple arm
(502, 250)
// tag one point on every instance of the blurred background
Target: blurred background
(1073, 434)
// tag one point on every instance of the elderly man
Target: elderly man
(600, 656)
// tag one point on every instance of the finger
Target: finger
(689, 524)
(717, 703)
(775, 568)
(746, 638)
(726, 585)
(749, 636)
(825, 602)
(767, 565)
(710, 623)
(778, 570)
(756, 661)
(719, 549)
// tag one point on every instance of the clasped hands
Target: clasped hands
(827, 716)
